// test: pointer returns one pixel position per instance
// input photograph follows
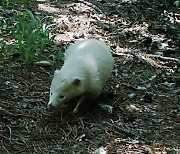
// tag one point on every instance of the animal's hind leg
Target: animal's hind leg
(85, 104)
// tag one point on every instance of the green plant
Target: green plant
(32, 36)
(5, 2)
(59, 56)
(3, 47)
(177, 3)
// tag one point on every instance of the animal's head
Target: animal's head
(63, 88)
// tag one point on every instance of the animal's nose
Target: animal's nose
(50, 107)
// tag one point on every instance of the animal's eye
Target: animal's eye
(50, 93)
(61, 97)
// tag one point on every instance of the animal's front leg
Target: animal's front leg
(84, 105)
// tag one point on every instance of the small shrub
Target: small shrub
(177, 3)
(7, 3)
(32, 36)
(4, 48)
(59, 56)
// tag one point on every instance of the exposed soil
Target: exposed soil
(144, 92)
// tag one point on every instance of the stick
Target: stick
(91, 5)
(5, 112)
(163, 58)
(118, 130)
(148, 56)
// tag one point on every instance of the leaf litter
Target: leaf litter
(143, 93)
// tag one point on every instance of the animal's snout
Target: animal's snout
(50, 107)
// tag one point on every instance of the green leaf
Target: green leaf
(177, 3)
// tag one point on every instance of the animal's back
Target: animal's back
(93, 55)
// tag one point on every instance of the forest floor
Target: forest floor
(143, 92)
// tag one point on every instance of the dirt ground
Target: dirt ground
(143, 92)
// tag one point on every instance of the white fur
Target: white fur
(87, 67)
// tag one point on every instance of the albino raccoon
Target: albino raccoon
(87, 67)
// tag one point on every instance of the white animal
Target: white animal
(87, 67)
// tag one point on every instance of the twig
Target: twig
(4, 137)
(92, 5)
(10, 133)
(163, 58)
(119, 130)
(129, 86)
(129, 54)
(4, 112)
(3, 146)
(10, 114)
(124, 132)
(122, 54)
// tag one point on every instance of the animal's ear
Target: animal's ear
(56, 72)
(76, 82)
